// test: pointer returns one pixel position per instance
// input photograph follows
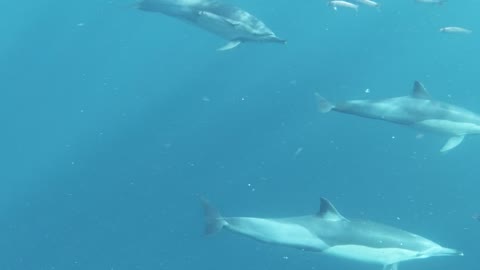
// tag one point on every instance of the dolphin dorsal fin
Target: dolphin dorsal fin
(419, 91)
(327, 211)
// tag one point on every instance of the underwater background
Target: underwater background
(116, 121)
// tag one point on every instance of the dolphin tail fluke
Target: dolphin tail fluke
(324, 105)
(230, 45)
(213, 220)
(452, 143)
(391, 266)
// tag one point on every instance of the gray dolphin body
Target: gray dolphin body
(331, 233)
(227, 21)
(417, 110)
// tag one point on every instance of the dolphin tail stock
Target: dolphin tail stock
(452, 143)
(323, 104)
(391, 266)
(213, 220)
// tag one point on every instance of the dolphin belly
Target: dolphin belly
(383, 256)
(276, 232)
(448, 127)
(391, 110)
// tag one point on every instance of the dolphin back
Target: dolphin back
(177, 8)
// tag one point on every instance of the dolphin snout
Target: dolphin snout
(281, 41)
(277, 40)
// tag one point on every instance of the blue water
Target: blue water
(115, 122)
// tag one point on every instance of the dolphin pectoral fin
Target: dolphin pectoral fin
(279, 40)
(452, 143)
(324, 105)
(207, 14)
(213, 220)
(391, 266)
(230, 45)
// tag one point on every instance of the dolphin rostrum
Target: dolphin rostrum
(329, 232)
(227, 21)
(417, 110)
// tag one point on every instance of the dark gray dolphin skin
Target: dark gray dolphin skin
(330, 233)
(417, 110)
(227, 21)
(434, 2)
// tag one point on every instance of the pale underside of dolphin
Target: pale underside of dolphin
(330, 233)
(229, 22)
(417, 110)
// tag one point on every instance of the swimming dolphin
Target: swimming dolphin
(417, 110)
(227, 21)
(330, 233)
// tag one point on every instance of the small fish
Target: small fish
(476, 217)
(433, 2)
(298, 152)
(368, 3)
(342, 4)
(454, 29)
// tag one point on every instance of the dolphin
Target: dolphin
(417, 110)
(329, 232)
(227, 21)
